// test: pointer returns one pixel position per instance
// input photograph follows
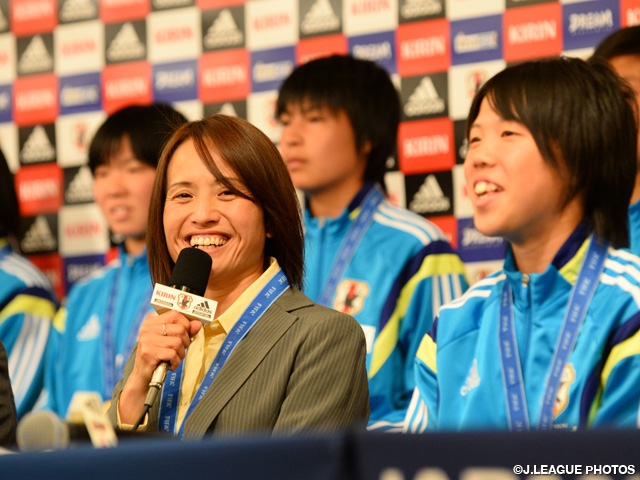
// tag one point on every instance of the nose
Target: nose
(478, 156)
(290, 134)
(112, 184)
(206, 209)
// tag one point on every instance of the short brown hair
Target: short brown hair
(258, 164)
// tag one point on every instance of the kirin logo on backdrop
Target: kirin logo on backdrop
(224, 75)
(423, 47)
(32, 16)
(426, 145)
(534, 31)
(39, 188)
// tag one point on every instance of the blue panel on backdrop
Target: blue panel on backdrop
(175, 82)
(80, 93)
(377, 47)
(269, 68)
(476, 40)
(5, 103)
(76, 268)
(474, 246)
(585, 24)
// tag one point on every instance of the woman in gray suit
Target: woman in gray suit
(272, 361)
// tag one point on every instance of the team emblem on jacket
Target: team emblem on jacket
(350, 296)
(562, 397)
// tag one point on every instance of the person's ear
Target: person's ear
(366, 148)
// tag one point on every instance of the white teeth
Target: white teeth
(207, 241)
(483, 187)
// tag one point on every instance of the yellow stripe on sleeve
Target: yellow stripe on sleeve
(628, 348)
(432, 266)
(60, 320)
(28, 304)
(427, 353)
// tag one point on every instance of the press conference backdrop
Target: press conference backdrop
(66, 64)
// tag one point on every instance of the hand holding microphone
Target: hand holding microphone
(187, 284)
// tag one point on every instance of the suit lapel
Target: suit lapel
(246, 357)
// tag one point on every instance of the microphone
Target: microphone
(44, 430)
(188, 282)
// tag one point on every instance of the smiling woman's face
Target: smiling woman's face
(200, 210)
(515, 193)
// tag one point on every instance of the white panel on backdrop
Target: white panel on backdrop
(396, 193)
(73, 137)
(261, 109)
(192, 109)
(461, 204)
(368, 16)
(464, 82)
(7, 58)
(82, 230)
(9, 144)
(583, 53)
(271, 23)
(79, 47)
(478, 270)
(174, 35)
(457, 9)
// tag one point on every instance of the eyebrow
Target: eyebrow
(179, 184)
(311, 107)
(121, 161)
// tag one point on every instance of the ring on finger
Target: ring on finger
(164, 329)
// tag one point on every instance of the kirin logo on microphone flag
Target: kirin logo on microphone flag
(184, 301)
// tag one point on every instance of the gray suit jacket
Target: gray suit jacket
(301, 368)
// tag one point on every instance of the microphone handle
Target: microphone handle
(156, 382)
(160, 373)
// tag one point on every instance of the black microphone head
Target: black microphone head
(191, 272)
